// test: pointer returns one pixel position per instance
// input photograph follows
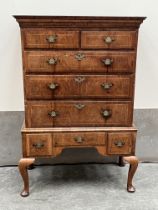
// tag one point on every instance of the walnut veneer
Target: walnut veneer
(79, 77)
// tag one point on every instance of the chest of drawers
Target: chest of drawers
(79, 76)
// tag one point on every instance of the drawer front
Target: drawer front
(121, 142)
(50, 39)
(109, 39)
(78, 86)
(83, 61)
(38, 144)
(79, 139)
(78, 113)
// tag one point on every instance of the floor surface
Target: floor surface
(80, 187)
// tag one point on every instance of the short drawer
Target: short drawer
(108, 39)
(47, 38)
(78, 113)
(78, 86)
(38, 144)
(79, 61)
(79, 139)
(121, 143)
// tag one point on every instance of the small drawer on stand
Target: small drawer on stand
(79, 139)
(121, 142)
(38, 144)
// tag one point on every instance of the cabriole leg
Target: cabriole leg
(133, 161)
(23, 165)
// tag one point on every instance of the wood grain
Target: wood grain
(37, 86)
(37, 113)
(133, 164)
(23, 164)
(85, 139)
(120, 39)
(37, 61)
(121, 23)
(32, 142)
(38, 39)
(128, 140)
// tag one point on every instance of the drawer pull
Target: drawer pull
(107, 61)
(78, 139)
(53, 113)
(79, 56)
(53, 86)
(38, 145)
(106, 113)
(79, 79)
(106, 86)
(52, 38)
(108, 40)
(52, 61)
(119, 143)
(79, 106)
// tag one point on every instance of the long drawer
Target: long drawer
(78, 113)
(78, 86)
(79, 61)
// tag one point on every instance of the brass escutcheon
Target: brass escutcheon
(79, 139)
(79, 106)
(52, 38)
(79, 56)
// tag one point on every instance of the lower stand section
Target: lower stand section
(133, 161)
(24, 163)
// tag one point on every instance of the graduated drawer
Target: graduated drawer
(81, 86)
(108, 39)
(78, 113)
(79, 139)
(48, 38)
(38, 144)
(79, 61)
(121, 142)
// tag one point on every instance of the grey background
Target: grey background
(146, 121)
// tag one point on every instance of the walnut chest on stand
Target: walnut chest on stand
(79, 78)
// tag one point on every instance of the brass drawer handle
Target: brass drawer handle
(107, 61)
(53, 86)
(106, 113)
(79, 56)
(38, 145)
(53, 113)
(79, 79)
(79, 139)
(108, 39)
(119, 143)
(52, 38)
(106, 86)
(79, 106)
(52, 61)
